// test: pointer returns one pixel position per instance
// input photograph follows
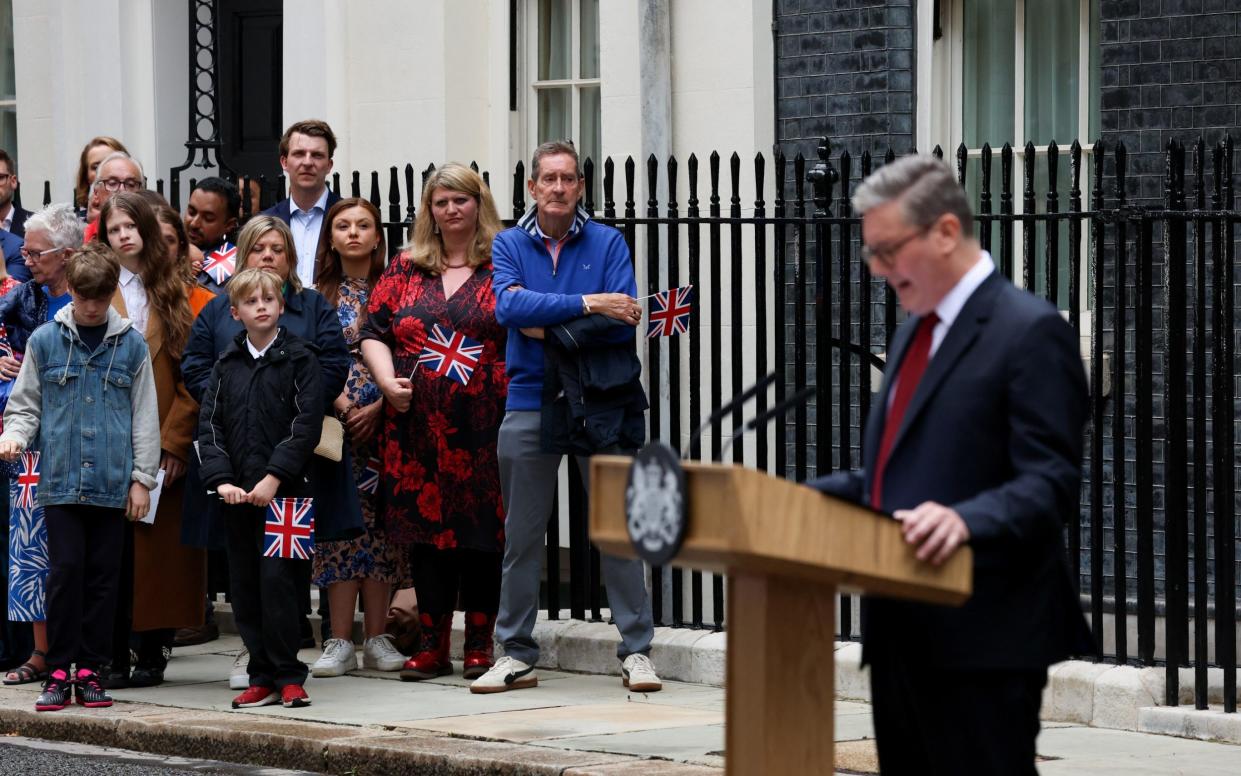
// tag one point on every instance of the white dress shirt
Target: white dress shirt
(135, 296)
(6, 223)
(950, 306)
(255, 352)
(305, 225)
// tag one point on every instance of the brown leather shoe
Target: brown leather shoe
(188, 637)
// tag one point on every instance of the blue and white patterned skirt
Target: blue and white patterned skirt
(27, 542)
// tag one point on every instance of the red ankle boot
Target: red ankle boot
(431, 660)
(479, 643)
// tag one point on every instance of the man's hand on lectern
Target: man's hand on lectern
(936, 530)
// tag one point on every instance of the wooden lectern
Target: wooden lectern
(786, 549)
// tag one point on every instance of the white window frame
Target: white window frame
(940, 121)
(530, 63)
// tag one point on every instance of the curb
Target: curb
(248, 738)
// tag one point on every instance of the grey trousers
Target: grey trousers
(528, 481)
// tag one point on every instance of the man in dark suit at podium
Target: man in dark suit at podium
(975, 437)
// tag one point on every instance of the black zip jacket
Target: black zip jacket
(261, 416)
(592, 388)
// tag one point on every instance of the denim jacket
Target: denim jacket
(93, 415)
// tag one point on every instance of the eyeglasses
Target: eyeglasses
(5, 176)
(885, 256)
(35, 255)
(116, 184)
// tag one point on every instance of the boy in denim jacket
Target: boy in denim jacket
(85, 396)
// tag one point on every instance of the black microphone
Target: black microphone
(740, 398)
(763, 418)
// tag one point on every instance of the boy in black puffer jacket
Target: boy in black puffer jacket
(261, 419)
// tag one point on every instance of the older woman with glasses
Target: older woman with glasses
(51, 236)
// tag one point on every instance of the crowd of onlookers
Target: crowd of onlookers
(179, 382)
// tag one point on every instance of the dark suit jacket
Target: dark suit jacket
(994, 430)
(14, 264)
(284, 211)
(18, 227)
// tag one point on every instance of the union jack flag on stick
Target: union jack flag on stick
(450, 354)
(670, 311)
(369, 481)
(27, 480)
(221, 263)
(290, 530)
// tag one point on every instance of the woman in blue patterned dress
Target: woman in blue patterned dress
(349, 260)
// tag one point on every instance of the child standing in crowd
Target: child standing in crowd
(98, 411)
(261, 419)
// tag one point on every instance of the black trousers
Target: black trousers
(84, 545)
(440, 576)
(123, 620)
(930, 721)
(266, 600)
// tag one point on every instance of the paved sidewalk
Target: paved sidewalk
(570, 724)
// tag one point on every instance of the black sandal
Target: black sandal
(27, 672)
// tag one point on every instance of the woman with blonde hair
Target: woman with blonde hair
(94, 152)
(440, 482)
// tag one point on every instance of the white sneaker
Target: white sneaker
(507, 674)
(338, 658)
(638, 674)
(239, 675)
(380, 654)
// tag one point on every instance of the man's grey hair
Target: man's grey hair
(61, 224)
(925, 186)
(122, 155)
(554, 148)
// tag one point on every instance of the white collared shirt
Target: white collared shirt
(950, 306)
(6, 223)
(135, 296)
(305, 225)
(255, 352)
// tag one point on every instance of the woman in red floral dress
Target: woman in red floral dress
(440, 484)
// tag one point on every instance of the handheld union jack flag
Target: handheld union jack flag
(27, 480)
(369, 481)
(450, 354)
(221, 263)
(290, 531)
(5, 348)
(670, 312)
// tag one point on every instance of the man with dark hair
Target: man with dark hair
(306, 152)
(210, 217)
(975, 438)
(12, 217)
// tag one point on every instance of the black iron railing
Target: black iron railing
(1150, 286)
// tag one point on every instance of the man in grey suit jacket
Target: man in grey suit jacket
(975, 437)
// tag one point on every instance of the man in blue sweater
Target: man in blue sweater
(554, 267)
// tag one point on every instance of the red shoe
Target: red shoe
(294, 697)
(256, 696)
(431, 660)
(479, 644)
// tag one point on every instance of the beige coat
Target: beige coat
(170, 579)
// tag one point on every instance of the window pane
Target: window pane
(1053, 46)
(988, 72)
(590, 39)
(8, 130)
(555, 114)
(555, 42)
(590, 142)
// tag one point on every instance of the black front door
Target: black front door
(251, 89)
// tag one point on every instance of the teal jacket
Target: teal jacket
(93, 415)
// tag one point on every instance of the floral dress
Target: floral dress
(440, 484)
(371, 555)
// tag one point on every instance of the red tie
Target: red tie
(907, 378)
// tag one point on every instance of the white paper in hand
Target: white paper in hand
(159, 487)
